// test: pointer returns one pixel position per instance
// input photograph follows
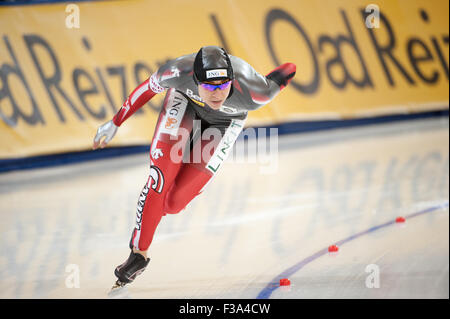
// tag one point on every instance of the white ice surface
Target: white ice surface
(251, 224)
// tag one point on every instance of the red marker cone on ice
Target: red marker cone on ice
(333, 249)
(285, 282)
(400, 219)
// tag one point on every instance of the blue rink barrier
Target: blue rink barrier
(13, 164)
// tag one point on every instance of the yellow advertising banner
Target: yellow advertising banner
(66, 68)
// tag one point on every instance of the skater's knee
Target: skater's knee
(172, 205)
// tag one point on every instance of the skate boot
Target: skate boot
(132, 267)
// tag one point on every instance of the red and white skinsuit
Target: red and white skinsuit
(172, 182)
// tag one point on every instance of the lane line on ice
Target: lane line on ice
(274, 284)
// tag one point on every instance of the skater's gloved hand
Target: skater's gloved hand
(107, 130)
(283, 74)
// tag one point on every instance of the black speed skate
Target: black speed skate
(132, 267)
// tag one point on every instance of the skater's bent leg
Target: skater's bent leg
(189, 183)
(150, 204)
(165, 165)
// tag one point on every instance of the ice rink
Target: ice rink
(64, 229)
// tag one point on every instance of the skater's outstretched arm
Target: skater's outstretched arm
(141, 95)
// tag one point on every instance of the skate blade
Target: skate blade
(118, 284)
(118, 290)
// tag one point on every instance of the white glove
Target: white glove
(107, 130)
